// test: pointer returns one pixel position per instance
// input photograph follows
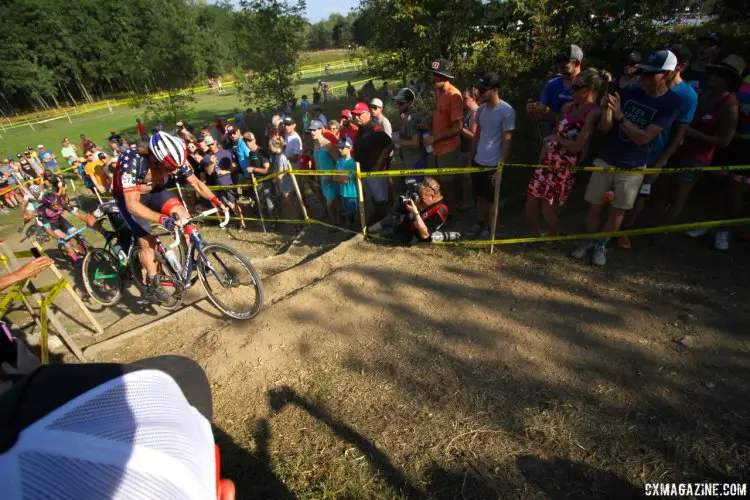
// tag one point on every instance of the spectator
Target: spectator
(195, 158)
(97, 171)
(334, 127)
(418, 214)
(238, 118)
(318, 115)
(183, 132)
(557, 91)
(662, 149)
(368, 91)
(372, 149)
(409, 137)
(496, 120)
(139, 127)
(56, 185)
(379, 118)
(316, 96)
(114, 137)
(218, 166)
(471, 104)
(630, 72)
(219, 124)
(86, 144)
(248, 118)
(159, 127)
(696, 75)
(33, 160)
(351, 92)
(326, 155)
(631, 121)
(447, 118)
(69, 151)
(48, 158)
(292, 139)
(25, 166)
(712, 129)
(304, 103)
(347, 183)
(550, 187)
(348, 128)
(283, 183)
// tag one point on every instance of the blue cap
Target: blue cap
(660, 61)
(345, 142)
(315, 125)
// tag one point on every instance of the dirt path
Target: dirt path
(382, 372)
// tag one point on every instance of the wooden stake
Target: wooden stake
(496, 205)
(299, 193)
(75, 296)
(361, 202)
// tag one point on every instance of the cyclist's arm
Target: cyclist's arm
(203, 191)
(138, 209)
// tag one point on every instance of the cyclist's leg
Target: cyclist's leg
(141, 230)
(58, 231)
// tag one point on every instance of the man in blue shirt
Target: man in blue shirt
(48, 158)
(557, 91)
(662, 149)
(631, 122)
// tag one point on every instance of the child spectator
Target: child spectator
(347, 185)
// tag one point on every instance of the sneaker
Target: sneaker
(599, 258)
(721, 241)
(623, 242)
(697, 233)
(157, 291)
(582, 251)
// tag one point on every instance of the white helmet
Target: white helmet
(35, 189)
(168, 149)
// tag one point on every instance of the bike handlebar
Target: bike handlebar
(74, 234)
(199, 216)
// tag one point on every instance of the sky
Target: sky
(317, 10)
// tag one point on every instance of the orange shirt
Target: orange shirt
(449, 107)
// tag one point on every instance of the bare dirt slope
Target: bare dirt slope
(387, 372)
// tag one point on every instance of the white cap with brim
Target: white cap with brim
(376, 102)
(663, 60)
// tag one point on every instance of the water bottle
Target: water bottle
(120, 253)
(427, 147)
(438, 236)
(173, 261)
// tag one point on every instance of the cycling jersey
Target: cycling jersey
(32, 202)
(53, 215)
(132, 170)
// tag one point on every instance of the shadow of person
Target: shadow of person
(561, 478)
(379, 461)
(251, 472)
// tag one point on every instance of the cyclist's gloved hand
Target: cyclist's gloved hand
(60, 241)
(168, 222)
(215, 201)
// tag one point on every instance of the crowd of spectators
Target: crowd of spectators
(672, 108)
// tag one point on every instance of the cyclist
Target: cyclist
(56, 185)
(138, 187)
(32, 198)
(50, 213)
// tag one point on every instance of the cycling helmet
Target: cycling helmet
(51, 199)
(168, 149)
(35, 189)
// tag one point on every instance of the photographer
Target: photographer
(418, 215)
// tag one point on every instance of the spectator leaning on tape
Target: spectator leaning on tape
(447, 120)
(372, 149)
(664, 146)
(631, 121)
(409, 138)
(496, 121)
(418, 216)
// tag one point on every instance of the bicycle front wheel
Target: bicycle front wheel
(231, 282)
(101, 277)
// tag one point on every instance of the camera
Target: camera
(412, 193)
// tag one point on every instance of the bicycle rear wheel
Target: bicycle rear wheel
(101, 277)
(230, 281)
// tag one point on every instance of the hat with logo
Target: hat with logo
(345, 142)
(289, 121)
(315, 125)
(360, 108)
(488, 81)
(376, 102)
(405, 94)
(659, 62)
(441, 67)
(713, 38)
(209, 141)
(346, 113)
(569, 53)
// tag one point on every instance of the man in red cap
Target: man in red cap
(372, 150)
(348, 128)
(447, 123)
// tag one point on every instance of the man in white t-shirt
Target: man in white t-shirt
(293, 141)
(496, 121)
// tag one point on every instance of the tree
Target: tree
(272, 34)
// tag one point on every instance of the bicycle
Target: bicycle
(81, 247)
(229, 277)
(34, 230)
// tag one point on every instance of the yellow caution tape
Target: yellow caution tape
(427, 171)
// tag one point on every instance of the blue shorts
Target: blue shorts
(330, 188)
(158, 201)
(349, 205)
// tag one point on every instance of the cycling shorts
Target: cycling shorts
(60, 224)
(162, 201)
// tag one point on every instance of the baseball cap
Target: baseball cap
(10, 158)
(635, 57)
(405, 94)
(346, 113)
(441, 67)
(488, 81)
(569, 53)
(315, 125)
(660, 61)
(376, 102)
(712, 37)
(121, 431)
(345, 142)
(360, 108)
(40, 146)
(289, 121)
(681, 52)
(179, 124)
(209, 141)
